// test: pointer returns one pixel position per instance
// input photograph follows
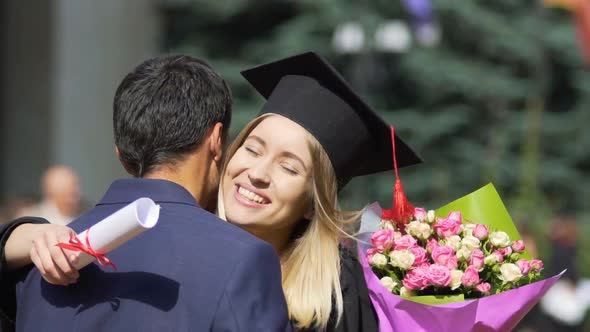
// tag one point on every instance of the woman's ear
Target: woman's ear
(216, 142)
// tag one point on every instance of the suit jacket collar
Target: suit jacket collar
(160, 191)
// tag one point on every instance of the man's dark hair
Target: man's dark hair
(164, 108)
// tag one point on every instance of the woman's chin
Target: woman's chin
(241, 222)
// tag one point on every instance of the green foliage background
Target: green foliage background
(503, 97)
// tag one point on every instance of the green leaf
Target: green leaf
(436, 299)
(484, 206)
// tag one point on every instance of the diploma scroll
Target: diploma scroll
(118, 228)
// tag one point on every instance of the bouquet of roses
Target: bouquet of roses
(445, 256)
(462, 267)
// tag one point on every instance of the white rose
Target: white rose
(388, 283)
(411, 227)
(430, 217)
(387, 225)
(500, 239)
(510, 272)
(402, 259)
(491, 259)
(471, 242)
(418, 229)
(379, 259)
(456, 278)
(468, 229)
(396, 235)
(464, 253)
(405, 292)
(424, 231)
(454, 242)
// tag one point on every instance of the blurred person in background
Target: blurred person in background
(61, 201)
(564, 306)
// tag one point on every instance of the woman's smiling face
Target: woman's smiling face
(267, 181)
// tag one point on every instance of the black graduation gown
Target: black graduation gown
(358, 314)
(7, 279)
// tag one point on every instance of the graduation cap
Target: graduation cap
(307, 90)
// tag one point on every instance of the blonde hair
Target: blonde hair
(311, 264)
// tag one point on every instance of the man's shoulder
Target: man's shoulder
(191, 231)
(197, 221)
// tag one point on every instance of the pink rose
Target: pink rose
(470, 277)
(499, 255)
(405, 242)
(536, 264)
(438, 275)
(449, 226)
(420, 214)
(505, 251)
(431, 245)
(420, 254)
(445, 256)
(484, 288)
(383, 238)
(524, 266)
(416, 279)
(481, 231)
(518, 246)
(477, 259)
(371, 252)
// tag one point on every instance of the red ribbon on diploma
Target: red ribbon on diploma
(76, 245)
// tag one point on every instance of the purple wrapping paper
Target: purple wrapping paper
(500, 312)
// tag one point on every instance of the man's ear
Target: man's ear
(123, 162)
(216, 142)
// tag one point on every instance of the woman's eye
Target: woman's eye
(251, 151)
(289, 169)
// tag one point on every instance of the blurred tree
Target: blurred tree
(498, 94)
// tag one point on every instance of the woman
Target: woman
(282, 177)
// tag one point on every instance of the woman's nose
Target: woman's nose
(259, 173)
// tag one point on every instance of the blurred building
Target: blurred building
(60, 63)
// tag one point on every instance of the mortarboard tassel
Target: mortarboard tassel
(402, 210)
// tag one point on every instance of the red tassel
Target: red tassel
(402, 210)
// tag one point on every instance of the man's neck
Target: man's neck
(193, 179)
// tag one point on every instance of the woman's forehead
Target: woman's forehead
(280, 127)
(280, 133)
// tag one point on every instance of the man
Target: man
(192, 272)
(61, 196)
